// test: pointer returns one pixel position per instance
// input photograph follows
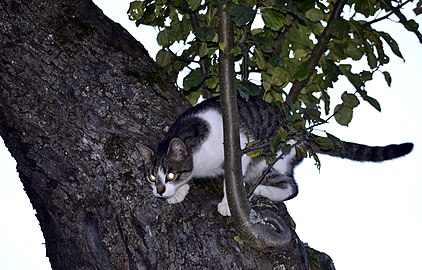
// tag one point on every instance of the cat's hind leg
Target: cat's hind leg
(276, 193)
(279, 183)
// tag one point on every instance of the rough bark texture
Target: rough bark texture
(77, 91)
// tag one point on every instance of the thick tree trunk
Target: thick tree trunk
(77, 91)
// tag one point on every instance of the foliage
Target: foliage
(288, 52)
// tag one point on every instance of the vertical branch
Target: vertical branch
(253, 230)
(318, 50)
(236, 193)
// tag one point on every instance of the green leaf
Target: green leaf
(254, 153)
(279, 76)
(370, 56)
(278, 138)
(259, 59)
(273, 19)
(193, 97)
(163, 38)
(324, 143)
(317, 160)
(203, 49)
(343, 114)
(264, 42)
(286, 148)
(387, 77)
(412, 25)
(194, 4)
(136, 10)
(366, 76)
(418, 9)
(212, 82)
(193, 79)
(354, 51)
(247, 89)
(354, 79)
(241, 15)
(163, 58)
(374, 103)
(331, 70)
(301, 152)
(392, 43)
(302, 71)
(205, 33)
(314, 15)
(222, 46)
(365, 7)
(349, 100)
(299, 38)
(326, 98)
(340, 28)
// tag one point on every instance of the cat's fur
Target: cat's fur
(193, 148)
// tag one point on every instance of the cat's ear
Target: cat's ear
(146, 153)
(177, 150)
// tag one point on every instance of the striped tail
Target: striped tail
(361, 152)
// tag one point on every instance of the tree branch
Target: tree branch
(318, 50)
(386, 15)
(257, 233)
(403, 20)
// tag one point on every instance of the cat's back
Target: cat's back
(257, 118)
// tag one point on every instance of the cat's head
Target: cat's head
(166, 172)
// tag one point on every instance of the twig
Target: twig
(266, 171)
(253, 148)
(403, 20)
(261, 178)
(387, 15)
(318, 50)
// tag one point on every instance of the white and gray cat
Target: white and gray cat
(193, 148)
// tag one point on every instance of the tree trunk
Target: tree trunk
(77, 92)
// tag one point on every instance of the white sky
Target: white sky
(364, 215)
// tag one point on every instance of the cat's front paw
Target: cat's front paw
(224, 209)
(180, 194)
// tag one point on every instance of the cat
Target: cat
(193, 148)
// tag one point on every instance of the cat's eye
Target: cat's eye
(170, 176)
(152, 178)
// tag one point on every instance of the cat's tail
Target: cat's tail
(361, 152)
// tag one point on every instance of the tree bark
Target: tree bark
(77, 92)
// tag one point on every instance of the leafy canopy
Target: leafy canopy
(288, 52)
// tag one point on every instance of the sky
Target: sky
(364, 215)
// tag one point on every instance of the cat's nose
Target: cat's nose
(161, 189)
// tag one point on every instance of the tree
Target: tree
(299, 54)
(77, 92)
(298, 51)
